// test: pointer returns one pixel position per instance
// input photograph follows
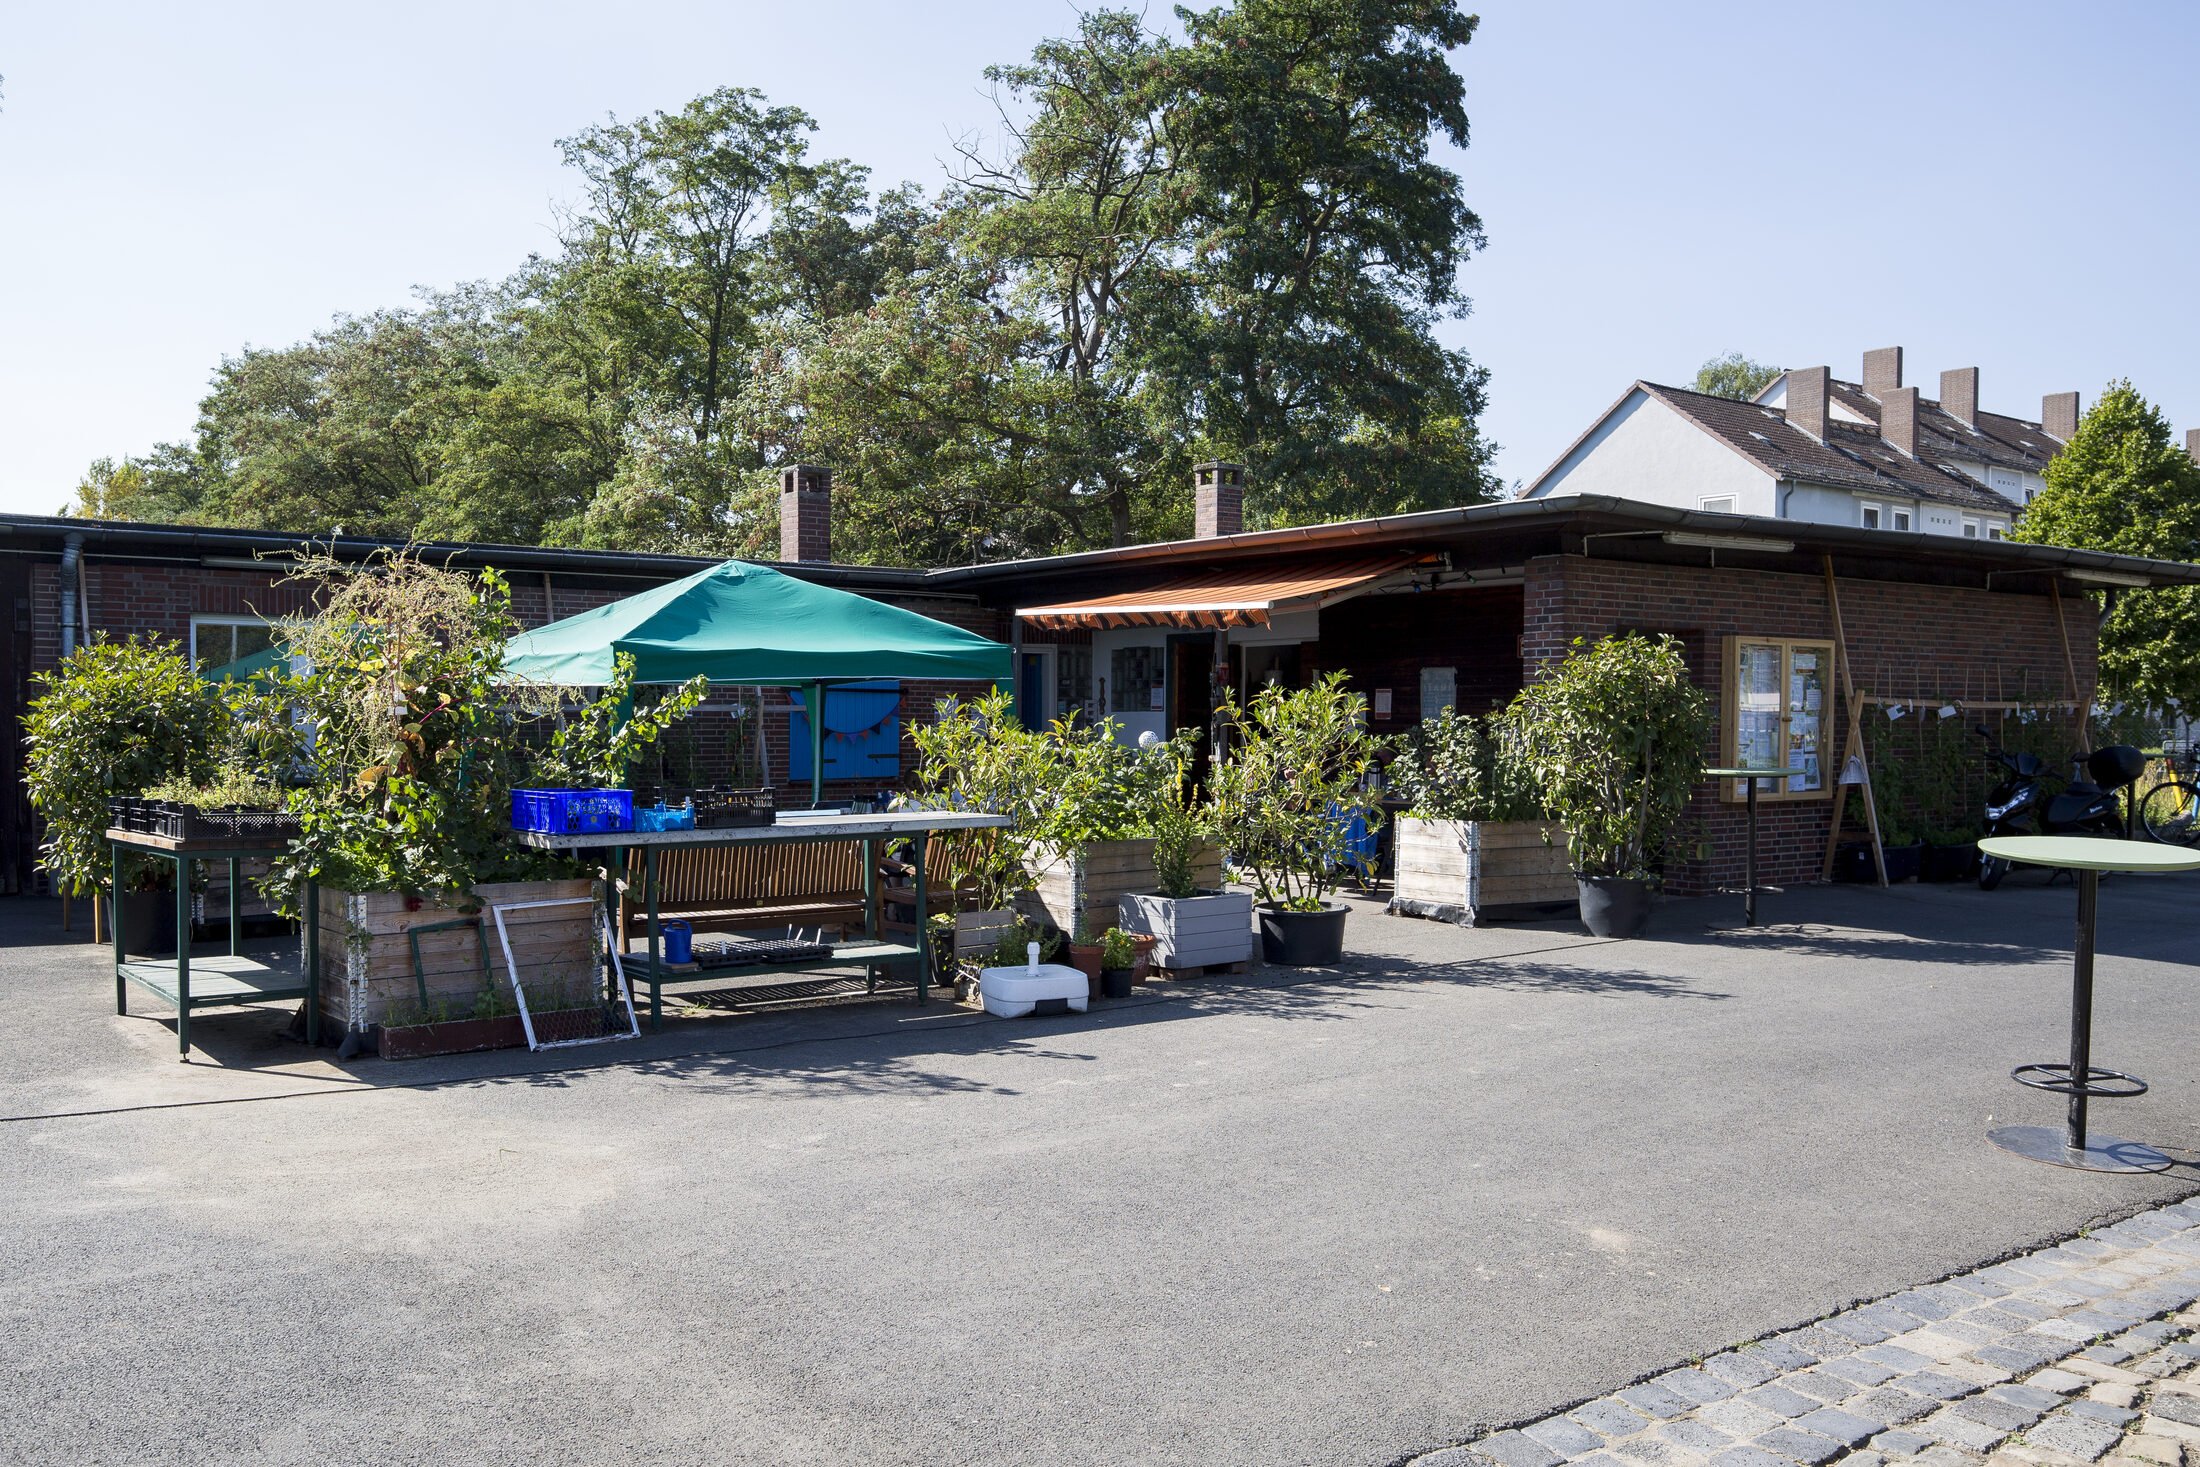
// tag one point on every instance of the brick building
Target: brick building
(1457, 606)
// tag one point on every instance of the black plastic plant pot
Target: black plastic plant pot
(1614, 906)
(1303, 939)
(1116, 982)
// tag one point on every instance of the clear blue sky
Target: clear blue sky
(2007, 186)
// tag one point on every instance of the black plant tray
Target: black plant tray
(172, 821)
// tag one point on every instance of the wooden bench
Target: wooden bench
(732, 888)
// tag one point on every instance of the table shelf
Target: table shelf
(860, 954)
(216, 982)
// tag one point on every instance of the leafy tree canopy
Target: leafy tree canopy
(2122, 485)
(1236, 245)
(1735, 376)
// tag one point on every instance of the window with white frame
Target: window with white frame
(1970, 529)
(1902, 519)
(230, 646)
(1871, 516)
(1997, 531)
(1717, 504)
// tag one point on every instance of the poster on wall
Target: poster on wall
(1439, 690)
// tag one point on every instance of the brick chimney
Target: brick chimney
(805, 513)
(1959, 394)
(1882, 371)
(1898, 418)
(1218, 499)
(1806, 399)
(2059, 415)
(2192, 442)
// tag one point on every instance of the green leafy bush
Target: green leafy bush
(1117, 950)
(1616, 735)
(1459, 767)
(1297, 771)
(112, 719)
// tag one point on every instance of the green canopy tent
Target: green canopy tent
(752, 625)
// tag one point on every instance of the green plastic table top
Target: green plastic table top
(2089, 853)
(1756, 773)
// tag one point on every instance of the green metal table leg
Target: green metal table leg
(236, 906)
(870, 910)
(924, 930)
(183, 959)
(313, 964)
(114, 928)
(656, 974)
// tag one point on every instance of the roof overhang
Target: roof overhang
(1250, 597)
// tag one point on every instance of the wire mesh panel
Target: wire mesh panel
(560, 1000)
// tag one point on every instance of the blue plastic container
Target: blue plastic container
(661, 818)
(679, 942)
(573, 812)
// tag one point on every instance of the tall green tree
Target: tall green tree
(1735, 376)
(2122, 485)
(1325, 246)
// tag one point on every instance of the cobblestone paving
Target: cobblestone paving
(2074, 1354)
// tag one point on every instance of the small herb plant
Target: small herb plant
(1117, 950)
(230, 789)
(1012, 949)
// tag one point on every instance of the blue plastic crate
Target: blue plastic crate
(661, 818)
(573, 812)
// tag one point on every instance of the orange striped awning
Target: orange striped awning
(1232, 598)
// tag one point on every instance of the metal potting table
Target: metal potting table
(220, 982)
(793, 828)
(1749, 876)
(2080, 1079)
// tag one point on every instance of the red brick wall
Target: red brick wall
(1904, 640)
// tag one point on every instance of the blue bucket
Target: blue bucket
(679, 942)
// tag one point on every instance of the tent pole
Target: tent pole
(817, 745)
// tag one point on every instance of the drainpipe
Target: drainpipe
(72, 547)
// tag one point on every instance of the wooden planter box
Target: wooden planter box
(462, 1036)
(1093, 878)
(1193, 932)
(367, 964)
(1468, 871)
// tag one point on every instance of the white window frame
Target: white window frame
(1718, 504)
(1870, 516)
(1971, 529)
(1902, 519)
(1996, 530)
(212, 620)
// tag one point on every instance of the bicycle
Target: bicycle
(2171, 810)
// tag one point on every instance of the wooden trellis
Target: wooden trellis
(1855, 760)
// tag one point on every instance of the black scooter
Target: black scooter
(2020, 805)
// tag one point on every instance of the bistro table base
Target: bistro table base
(2102, 1153)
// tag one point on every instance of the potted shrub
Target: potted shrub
(1191, 921)
(1616, 735)
(111, 720)
(1475, 839)
(1117, 955)
(1085, 951)
(1300, 766)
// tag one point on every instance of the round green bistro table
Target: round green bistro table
(2080, 1079)
(1749, 876)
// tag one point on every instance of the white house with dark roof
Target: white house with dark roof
(1873, 454)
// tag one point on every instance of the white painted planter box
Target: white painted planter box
(1192, 932)
(1466, 871)
(1070, 883)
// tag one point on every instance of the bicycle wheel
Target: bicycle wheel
(2171, 813)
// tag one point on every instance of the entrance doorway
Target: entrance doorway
(1034, 710)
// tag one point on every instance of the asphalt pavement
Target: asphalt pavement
(1323, 1218)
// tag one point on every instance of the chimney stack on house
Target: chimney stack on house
(2059, 415)
(1882, 371)
(1959, 394)
(1218, 499)
(1898, 418)
(2192, 443)
(805, 513)
(1807, 391)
